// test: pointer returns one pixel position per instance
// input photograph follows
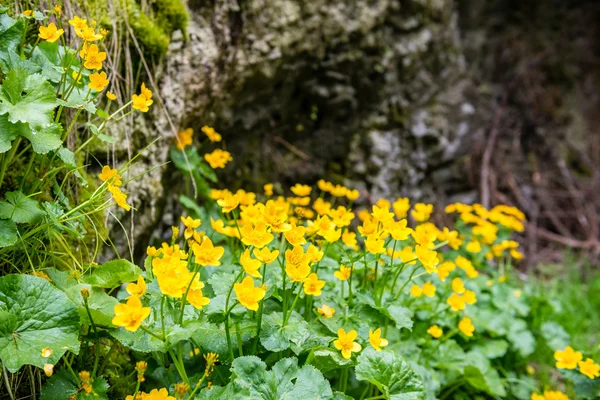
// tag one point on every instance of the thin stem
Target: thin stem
(287, 317)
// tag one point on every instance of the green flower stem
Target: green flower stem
(184, 297)
(162, 315)
(148, 331)
(364, 282)
(70, 368)
(97, 340)
(350, 284)
(7, 158)
(180, 368)
(284, 290)
(113, 346)
(227, 311)
(287, 317)
(239, 339)
(198, 385)
(260, 313)
(410, 278)
(391, 264)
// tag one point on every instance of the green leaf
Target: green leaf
(482, 376)
(450, 356)
(275, 337)
(45, 55)
(77, 100)
(211, 337)
(251, 372)
(59, 386)
(8, 233)
(8, 133)
(285, 371)
(102, 114)
(35, 107)
(327, 359)
(112, 274)
(35, 315)
(11, 31)
(20, 208)
(555, 335)
(391, 374)
(101, 305)
(521, 338)
(492, 348)
(46, 139)
(146, 343)
(310, 384)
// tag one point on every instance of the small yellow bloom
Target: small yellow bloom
(313, 286)
(78, 24)
(428, 289)
(352, 195)
(248, 295)
(265, 255)
(346, 343)
(326, 311)
(435, 331)
(131, 314)
(195, 296)
(535, 396)
(212, 135)
(206, 253)
(301, 190)
(344, 273)
(349, 239)
(50, 33)
(58, 10)
(589, 368)
(466, 326)
(295, 236)
(421, 212)
(268, 188)
(382, 214)
(119, 197)
(111, 96)
(567, 358)
(458, 286)
(250, 265)
(218, 158)
(427, 257)
(137, 289)
(110, 175)
(456, 302)
(190, 224)
(376, 340)
(444, 269)
(184, 138)
(256, 234)
(98, 81)
(374, 244)
(416, 291)
(94, 58)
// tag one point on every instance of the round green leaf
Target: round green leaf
(35, 315)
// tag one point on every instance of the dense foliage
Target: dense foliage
(292, 293)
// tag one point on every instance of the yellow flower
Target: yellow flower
(344, 273)
(195, 296)
(268, 188)
(444, 269)
(137, 289)
(250, 265)
(382, 214)
(535, 396)
(206, 253)
(256, 234)
(408, 256)
(324, 186)
(89, 35)
(27, 13)
(589, 368)
(94, 59)
(50, 33)
(473, 247)
(229, 202)
(376, 340)
(435, 331)
(352, 195)
(212, 135)
(554, 395)
(469, 297)
(467, 266)
(458, 286)
(119, 197)
(416, 291)
(147, 93)
(98, 81)
(184, 138)
(326, 311)
(301, 190)
(427, 257)
(312, 285)
(314, 254)
(374, 244)
(331, 236)
(265, 255)
(421, 212)
(295, 236)
(346, 344)
(248, 295)
(428, 289)
(190, 224)
(155, 394)
(398, 230)
(58, 9)
(401, 207)
(297, 267)
(110, 175)
(174, 280)
(131, 314)
(567, 358)
(466, 326)
(338, 190)
(111, 96)
(456, 302)
(78, 24)
(218, 158)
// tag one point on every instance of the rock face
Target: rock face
(372, 90)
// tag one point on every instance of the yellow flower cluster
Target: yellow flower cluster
(113, 180)
(568, 358)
